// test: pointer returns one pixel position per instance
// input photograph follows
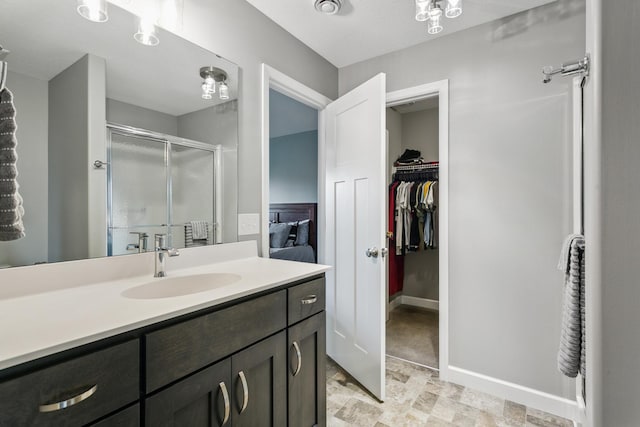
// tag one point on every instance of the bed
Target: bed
(294, 213)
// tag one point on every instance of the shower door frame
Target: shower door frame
(168, 141)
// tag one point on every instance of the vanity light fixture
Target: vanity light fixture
(93, 10)
(431, 11)
(214, 76)
(147, 33)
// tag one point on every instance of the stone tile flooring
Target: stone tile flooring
(416, 397)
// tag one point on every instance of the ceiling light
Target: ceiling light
(224, 91)
(329, 7)
(146, 34)
(93, 10)
(431, 11)
(422, 7)
(211, 76)
(454, 8)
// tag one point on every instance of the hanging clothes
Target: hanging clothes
(396, 262)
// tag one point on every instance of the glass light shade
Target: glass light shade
(453, 9)
(434, 25)
(147, 34)
(211, 84)
(224, 91)
(206, 93)
(422, 10)
(93, 10)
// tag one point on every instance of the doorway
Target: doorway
(412, 328)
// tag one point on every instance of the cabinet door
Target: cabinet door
(260, 384)
(201, 400)
(307, 372)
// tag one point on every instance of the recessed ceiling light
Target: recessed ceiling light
(329, 7)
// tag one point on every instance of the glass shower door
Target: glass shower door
(138, 192)
(193, 196)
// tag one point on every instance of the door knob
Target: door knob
(372, 252)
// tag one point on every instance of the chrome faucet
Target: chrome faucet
(161, 253)
(141, 246)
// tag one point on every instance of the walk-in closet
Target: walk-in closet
(413, 238)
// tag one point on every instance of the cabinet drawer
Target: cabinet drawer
(178, 350)
(129, 417)
(90, 387)
(306, 300)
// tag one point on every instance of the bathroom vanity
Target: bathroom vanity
(238, 342)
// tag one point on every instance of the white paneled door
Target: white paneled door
(355, 232)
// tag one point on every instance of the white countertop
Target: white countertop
(40, 324)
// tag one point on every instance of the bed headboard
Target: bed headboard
(289, 212)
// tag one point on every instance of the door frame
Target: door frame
(441, 89)
(274, 79)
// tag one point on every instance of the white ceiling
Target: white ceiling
(365, 29)
(46, 37)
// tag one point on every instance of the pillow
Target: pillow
(278, 234)
(293, 233)
(302, 235)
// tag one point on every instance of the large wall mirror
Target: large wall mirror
(117, 141)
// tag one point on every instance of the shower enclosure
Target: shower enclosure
(159, 184)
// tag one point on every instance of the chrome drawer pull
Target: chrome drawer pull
(51, 407)
(296, 347)
(245, 391)
(310, 299)
(227, 406)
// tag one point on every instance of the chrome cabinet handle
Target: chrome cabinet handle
(296, 347)
(372, 252)
(51, 407)
(245, 391)
(227, 405)
(309, 299)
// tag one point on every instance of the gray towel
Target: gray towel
(571, 355)
(199, 230)
(11, 209)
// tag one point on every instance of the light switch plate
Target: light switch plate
(248, 224)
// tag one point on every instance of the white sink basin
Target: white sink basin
(169, 287)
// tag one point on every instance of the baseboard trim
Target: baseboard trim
(395, 302)
(420, 302)
(520, 394)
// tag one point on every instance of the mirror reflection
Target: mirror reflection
(109, 139)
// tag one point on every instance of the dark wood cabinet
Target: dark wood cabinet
(260, 384)
(256, 362)
(307, 372)
(201, 400)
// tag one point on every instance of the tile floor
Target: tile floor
(416, 397)
(412, 334)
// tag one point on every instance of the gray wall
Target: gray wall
(293, 168)
(131, 115)
(248, 38)
(420, 132)
(510, 197)
(618, 372)
(74, 110)
(31, 102)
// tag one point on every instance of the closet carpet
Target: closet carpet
(416, 397)
(412, 334)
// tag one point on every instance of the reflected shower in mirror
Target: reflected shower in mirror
(116, 141)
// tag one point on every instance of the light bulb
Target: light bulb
(422, 10)
(211, 84)
(146, 34)
(93, 10)
(433, 23)
(224, 91)
(454, 8)
(206, 93)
